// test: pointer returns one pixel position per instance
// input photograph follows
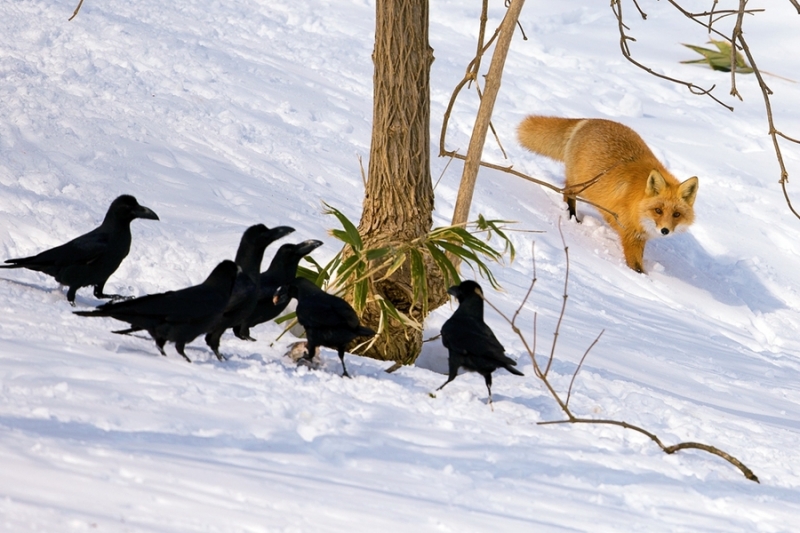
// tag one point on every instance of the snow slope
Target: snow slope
(219, 115)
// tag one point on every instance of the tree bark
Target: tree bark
(398, 203)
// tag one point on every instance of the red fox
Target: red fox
(609, 165)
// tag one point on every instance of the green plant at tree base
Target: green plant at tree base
(358, 268)
(720, 59)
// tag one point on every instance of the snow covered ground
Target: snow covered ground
(220, 115)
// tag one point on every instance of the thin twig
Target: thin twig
(530, 287)
(563, 302)
(442, 174)
(580, 364)
(737, 31)
(363, 173)
(75, 13)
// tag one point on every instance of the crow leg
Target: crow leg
(344, 368)
(242, 332)
(180, 346)
(71, 295)
(488, 378)
(212, 339)
(452, 375)
(160, 343)
(98, 293)
(311, 349)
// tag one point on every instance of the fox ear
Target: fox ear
(688, 190)
(655, 183)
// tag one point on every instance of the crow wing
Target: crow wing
(82, 250)
(321, 310)
(467, 335)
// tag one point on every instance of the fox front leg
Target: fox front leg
(633, 247)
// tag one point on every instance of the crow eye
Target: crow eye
(675, 214)
(658, 210)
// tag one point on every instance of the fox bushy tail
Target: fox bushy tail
(547, 136)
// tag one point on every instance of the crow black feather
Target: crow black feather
(282, 270)
(471, 344)
(244, 297)
(176, 316)
(91, 258)
(328, 320)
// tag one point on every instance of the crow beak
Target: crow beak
(280, 231)
(306, 247)
(454, 291)
(145, 212)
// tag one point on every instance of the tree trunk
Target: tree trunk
(399, 198)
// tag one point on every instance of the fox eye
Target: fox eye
(659, 211)
(675, 214)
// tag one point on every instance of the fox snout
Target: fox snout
(664, 231)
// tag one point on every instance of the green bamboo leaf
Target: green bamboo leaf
(720, 59)
(360, 293)
(459, 251)
(376, 253)
(347, 267)
(508, 247)
(353, 237)
(478, 246)
(319, 274)
(345, 237)
(285, 318)
(468, 240)
(391, 311)
(398, 262)
(419, 279)
(449, 270)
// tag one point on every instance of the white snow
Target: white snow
(220, 115)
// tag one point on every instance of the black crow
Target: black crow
(177, 316)
(91, 258)
(328, 320)
(245, 291)
(469, 341)
(282, 270)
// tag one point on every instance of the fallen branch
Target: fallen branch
(564, 403)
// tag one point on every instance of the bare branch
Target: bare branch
(667, 449)
(773, 131)
(570, 190)
(477, 140)
(707, 19)
(616, 7)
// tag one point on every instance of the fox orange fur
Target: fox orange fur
(609, 165)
